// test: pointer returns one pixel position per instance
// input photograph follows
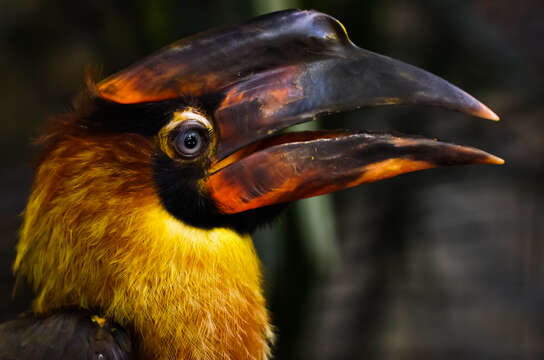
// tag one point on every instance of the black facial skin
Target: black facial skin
(176, 182)
(145, 119)
(142, 118)
(177, 186)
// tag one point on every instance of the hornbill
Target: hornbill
(136, 234)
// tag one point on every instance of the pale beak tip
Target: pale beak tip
(486, 113)
(494, 160)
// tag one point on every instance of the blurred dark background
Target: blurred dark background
(441, 264)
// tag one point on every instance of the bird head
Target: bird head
(179, 155)
(223, 97)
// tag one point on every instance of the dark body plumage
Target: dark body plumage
(70, 334)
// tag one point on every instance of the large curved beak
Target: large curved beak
(352, 78)
(280, 70)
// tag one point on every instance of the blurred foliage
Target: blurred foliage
(440, 264)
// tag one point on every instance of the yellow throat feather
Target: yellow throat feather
(96, 236)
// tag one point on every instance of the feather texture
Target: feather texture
(95, 236)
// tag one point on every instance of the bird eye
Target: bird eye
(190, 140)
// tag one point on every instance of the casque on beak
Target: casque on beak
(280, 70)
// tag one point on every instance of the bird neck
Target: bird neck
(96, 236)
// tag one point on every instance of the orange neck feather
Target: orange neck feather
(96, 236)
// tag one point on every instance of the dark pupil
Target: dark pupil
(191, 140)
